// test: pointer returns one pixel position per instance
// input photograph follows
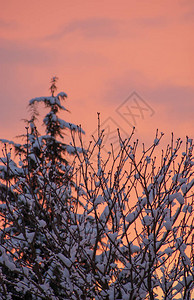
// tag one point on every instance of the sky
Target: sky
(132, 61)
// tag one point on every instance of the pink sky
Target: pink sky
(102, 51)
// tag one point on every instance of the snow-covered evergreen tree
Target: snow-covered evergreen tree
(35, 193)
(54, 149)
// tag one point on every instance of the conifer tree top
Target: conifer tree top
(52, 100)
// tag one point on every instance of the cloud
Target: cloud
(173, 104)
(31, 55)
(8, 24)
(90, 28)
(188, 17)
(152, 22)
(19, 52)
(104, 28)
(173, 98)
